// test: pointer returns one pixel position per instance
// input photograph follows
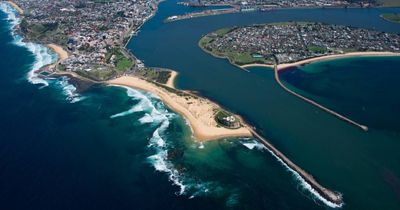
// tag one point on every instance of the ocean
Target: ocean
(121, 148)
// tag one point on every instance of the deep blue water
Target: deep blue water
(55, 154)
(108, 150)
(359, 164)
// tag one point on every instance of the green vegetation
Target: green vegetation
(46, 32)
(205, 40)
(389, 3)
(223, 31)
(159, 76)
(317, 49)
(244, 58)
(222, 115)
(97, 74)
(116, 56)
(392, 17)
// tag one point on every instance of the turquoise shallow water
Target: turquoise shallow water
(113, 148)
(364, 166)
(117, 148)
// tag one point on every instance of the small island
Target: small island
(391, 17)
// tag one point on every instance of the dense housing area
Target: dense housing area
(291, 42)
(93, 32)
(286, 3)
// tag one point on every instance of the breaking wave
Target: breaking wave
(303, 183)
(69, 90)
(43, 55)
(156, 114)
(253, 144)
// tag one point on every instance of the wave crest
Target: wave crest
(43, 55)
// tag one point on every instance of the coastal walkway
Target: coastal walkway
(328, 195)
(278, 80)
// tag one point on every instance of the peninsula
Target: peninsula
(295, 43)
(391, 17)
(283, 45)
(234, 6)
(94, 51)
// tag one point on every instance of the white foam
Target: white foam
(12, 14)
(253, 144)
(305, 185)
(69, 90)
(157, 115)
(147, 118)
(43, 55)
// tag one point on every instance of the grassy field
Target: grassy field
(154, 75)
(122, 63)
(389, 3)
(97, 74)
(392, 17)
(48, 32)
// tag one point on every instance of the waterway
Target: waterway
(364, 166)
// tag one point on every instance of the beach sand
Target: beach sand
(171, 79)
(19, 9)
(62, 54)
(323, 58)
(331, 57)
(199, 112)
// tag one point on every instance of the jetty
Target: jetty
(329, 195)
(341, 117)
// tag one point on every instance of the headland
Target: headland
(199, 112)
(203, 115)
(288, 44)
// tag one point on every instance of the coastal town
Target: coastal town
(93, 32)
(236, 6)
(264, 4)
(90, 38)
(94, 51)
(292, 41)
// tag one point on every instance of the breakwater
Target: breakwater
(329, 197)
(341, 117)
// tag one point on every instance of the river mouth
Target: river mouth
(309, 137)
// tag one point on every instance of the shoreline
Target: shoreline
(205, 127)
(171, 80)
(62, 54)
(196, 111)
(324, 58)
(16, 7)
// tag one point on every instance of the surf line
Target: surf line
(331, 198)
(341, 117)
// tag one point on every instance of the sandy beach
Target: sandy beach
(257, 65)
(331, 57)
(324, 58)
(19, 9)
(171, 79)
(62, 54)
(199, 112)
